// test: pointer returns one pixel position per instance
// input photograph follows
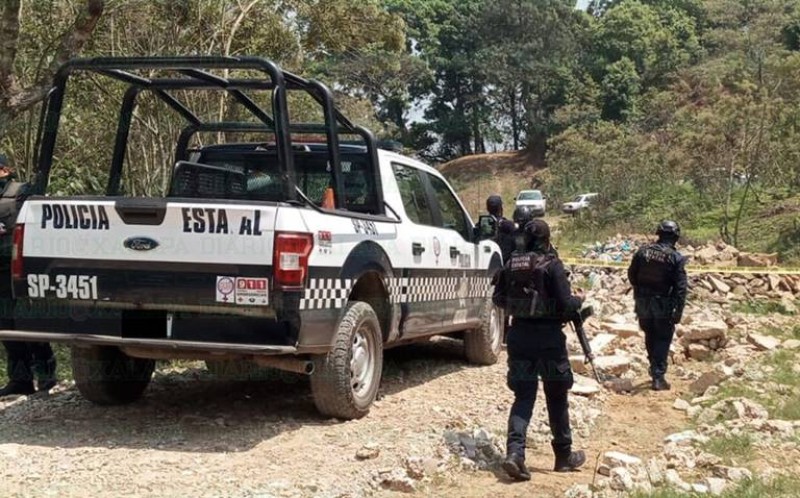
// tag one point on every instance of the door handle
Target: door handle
(417, 248)
(454, 252)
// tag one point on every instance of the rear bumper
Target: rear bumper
(167, 345)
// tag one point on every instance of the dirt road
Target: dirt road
(195, 436)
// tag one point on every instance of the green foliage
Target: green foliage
(779, 487)
(731, 447)
(760, 307)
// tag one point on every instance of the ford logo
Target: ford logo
(140, 243)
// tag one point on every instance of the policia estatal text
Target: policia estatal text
(533, 288)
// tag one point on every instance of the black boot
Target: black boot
(660, 384)
(17, 387)
(514, 466)
(46, 374)
(569, 461)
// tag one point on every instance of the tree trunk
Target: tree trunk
(514, 117)
(13, 98)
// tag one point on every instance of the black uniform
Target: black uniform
(658, 276)
(505, 236)
(24, 358)
(533, 288)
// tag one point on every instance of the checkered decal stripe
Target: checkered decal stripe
(326, 293)
(417, 290)
(332, 293)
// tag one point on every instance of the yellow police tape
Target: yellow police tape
(767, 270)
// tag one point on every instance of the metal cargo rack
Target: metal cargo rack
(192, 73)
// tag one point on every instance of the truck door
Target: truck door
(463, 285)
(418, 257)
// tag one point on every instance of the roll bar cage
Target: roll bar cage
(192, 73)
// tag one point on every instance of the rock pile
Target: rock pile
(716, 254)
(700, 339)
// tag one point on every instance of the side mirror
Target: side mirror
(486, 228)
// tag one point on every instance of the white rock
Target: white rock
(623, 330)
(613, 365)
(655, 471)
(685, 437)
(698, 352)
(681, 404)
(585, 386)
(715, 485)
(791, 344)
(579, 491)
(763, 342)
(700, 489)
(733, 474)
(368, 452)
(672, 478)
(616, 459)
(719, 285)
(621, 479)
(601, 341)
(699, 331)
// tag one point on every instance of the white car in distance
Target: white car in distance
(578, 203)
(532, 199)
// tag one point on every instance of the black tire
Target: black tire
(106, 376)
(345, 382)
(482, 345)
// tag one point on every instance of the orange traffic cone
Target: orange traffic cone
(327, 199)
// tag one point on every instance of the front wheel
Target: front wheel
(345, 381)
(107, 376)
(482, 345)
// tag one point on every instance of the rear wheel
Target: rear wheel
(345, 381)
(107, 376)
(482, 345)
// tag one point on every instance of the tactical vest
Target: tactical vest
(527, 293)
(656, 270)
(9, 207)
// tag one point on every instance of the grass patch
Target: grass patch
(731, 447)
(760, 307)
(780, 487)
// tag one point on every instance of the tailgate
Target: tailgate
(146, 251)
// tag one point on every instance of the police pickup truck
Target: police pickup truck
(310, 257)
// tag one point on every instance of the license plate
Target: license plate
(78, 287)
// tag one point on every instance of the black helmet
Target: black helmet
(494, 204)
(668, 229)
(522, 215)
(538, 232)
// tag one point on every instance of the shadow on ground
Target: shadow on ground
(193, 411)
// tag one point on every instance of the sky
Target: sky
(582, 4)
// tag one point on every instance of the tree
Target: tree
(16, 95)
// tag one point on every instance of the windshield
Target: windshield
(530, 195)
(578, 199)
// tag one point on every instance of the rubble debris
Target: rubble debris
(763, 342)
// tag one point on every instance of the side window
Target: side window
(413, 194)
(453, 216)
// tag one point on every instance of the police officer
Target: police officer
(533, 288)
(658, 277)
(504, 228)
(24, 358)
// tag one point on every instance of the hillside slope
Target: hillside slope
(478, 176)
(771, 225)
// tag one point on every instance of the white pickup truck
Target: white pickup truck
(307, 257)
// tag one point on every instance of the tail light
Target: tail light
(16, 251)
(290, 259)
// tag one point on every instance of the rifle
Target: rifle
(577, 325)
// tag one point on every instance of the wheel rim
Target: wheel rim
(362, 363)
(495, 328)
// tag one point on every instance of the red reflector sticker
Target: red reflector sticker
(243, 290)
